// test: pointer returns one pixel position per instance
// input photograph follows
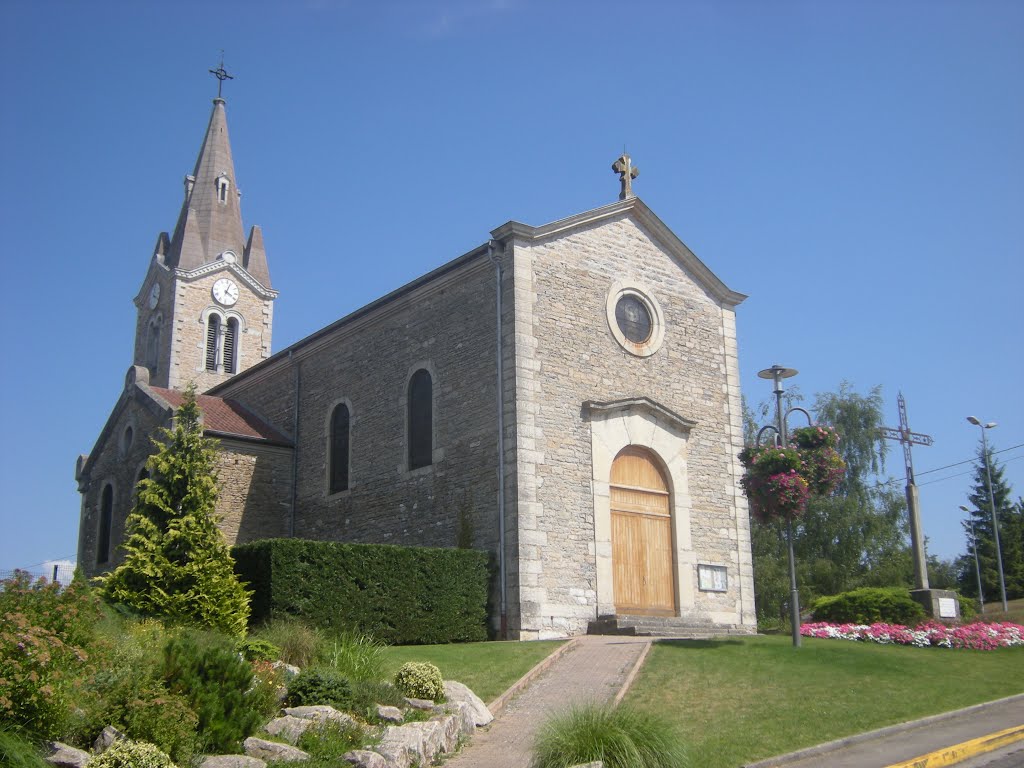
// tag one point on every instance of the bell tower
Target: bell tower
(205, 308)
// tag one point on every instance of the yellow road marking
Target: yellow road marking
(953, 755)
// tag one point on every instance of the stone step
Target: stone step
(660, 626)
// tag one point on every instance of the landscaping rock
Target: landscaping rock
(390, 714)
(289, 727)
(402, 746)
(107, 737)
(63, 756)
(231, 761)
(290, 670)
(363, 758)
(451, 730)
(433, 738)
(271, 751)
(320, 713)
(456, 692)
(419, 703)
(464, 713)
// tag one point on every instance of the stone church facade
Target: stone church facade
(565, 397)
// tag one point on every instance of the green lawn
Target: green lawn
(487, 668)
(743, 699)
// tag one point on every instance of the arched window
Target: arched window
(212, 340)
(106, 518)
(339, 448)
(231, 346)
(421, 420)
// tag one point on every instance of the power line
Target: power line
(892, 480)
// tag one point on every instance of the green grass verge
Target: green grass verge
(744, 699)
(487, 668)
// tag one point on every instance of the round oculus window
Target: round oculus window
(633, 319)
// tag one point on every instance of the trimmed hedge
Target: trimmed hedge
(870, 605)
(399, 595)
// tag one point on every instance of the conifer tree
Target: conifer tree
(177, 563)
(1011, 535)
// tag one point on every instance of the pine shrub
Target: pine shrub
(258, 649)
(217, 684)
(313, 687)
(420, 680)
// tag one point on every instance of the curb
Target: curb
(498, 705)
(628, 683)
(821, 749)
(957, 753)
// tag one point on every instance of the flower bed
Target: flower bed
(979, 636)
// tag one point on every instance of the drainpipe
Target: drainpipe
(295, 448)
(496, 260)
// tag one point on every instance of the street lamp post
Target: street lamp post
(992, 499)
(977, 565)
(777, 373)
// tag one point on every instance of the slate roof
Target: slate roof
(227, 418)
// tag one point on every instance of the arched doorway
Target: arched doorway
(641, 535)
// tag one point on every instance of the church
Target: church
(564, 396)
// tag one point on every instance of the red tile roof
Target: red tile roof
(227, 417)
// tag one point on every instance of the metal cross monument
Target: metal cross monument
(907, 438)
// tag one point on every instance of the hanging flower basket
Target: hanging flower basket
(779, 481)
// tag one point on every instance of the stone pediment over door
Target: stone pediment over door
(619, 428)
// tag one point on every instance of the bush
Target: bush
(621, 737)
(258, 649)
(357, 657)
(399, 595)
(968, 608)
(45, 631)
(312, 687)
(299, 643)
(420, 680)
(217, 684)
(328, 740)
(870, 605)
(126, 753)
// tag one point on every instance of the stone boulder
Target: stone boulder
(271, 751)
(321, 713)
(425, 704)
(451, 730)
(231, 761)
(402, 746)
(390, 714)
(457, 692)
(63, 756)
(289, 727)
(363, 758)
(105, 740)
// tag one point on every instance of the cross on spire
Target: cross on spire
(627, 172)
(221, 74)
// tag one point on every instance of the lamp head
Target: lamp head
(974, 421)
(965, 509)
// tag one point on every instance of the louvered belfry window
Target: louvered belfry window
(230, 346)
(212, 334)
(421, 420)
(106, 518)
(339, 448)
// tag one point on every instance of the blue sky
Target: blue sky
(856, 168)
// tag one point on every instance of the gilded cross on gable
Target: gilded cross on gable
(627, 172)
(221, 74)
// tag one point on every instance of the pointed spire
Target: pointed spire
(211, 218)
(255, 257)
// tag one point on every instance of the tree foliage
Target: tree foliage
(1011, 534)
(856, 536)
(177, 564)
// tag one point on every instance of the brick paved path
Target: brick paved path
(593, 671)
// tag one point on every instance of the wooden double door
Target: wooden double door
(641, 512)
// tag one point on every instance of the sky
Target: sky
(855, 168)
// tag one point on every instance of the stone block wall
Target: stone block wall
(566, 354)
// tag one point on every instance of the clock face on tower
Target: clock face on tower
(225, 291)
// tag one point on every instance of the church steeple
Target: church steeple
(210, 221)
(205, 307)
